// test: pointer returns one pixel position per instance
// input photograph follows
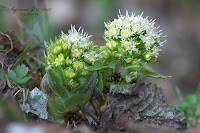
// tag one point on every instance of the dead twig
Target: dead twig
(9, 83)
(26, 97)
(67, 125)
(20, 89)
(11, 44)
(23, 99)
(16, 88)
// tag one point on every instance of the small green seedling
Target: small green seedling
(20, 76)
(35, 98)
(190, 106)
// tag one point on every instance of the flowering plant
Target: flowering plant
(131, 43)
(75, 67)
(67, 62)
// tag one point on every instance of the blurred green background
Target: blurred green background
(179, 19)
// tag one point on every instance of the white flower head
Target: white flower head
(90, 57)
(136, 33)
(77, 38)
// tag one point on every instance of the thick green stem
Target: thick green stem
(95, 107)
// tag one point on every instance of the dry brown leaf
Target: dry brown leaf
(144, 102)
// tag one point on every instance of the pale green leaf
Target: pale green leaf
(99, 65)
(35, 98)
(21, 71)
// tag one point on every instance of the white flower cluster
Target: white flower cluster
(135, 35)
(74, 52)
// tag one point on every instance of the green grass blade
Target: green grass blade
(179, 94)
(23, 55)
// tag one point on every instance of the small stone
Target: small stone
(41, 104)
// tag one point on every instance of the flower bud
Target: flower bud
(136, 62)
(128, 78)
(105, 54)
(113, 31)
(59, 60)
(69, 73)
(128, 60)
(68, 61)
(76, 53)
(84, 72)
(111, 44)
(50, 59)
(137, 53)
(78, 65)
(66, 46)
(73, 83)
(127, 44)
(147, 56)
(125, 33)
(117, 56)
(90, 57)
(57, 50)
